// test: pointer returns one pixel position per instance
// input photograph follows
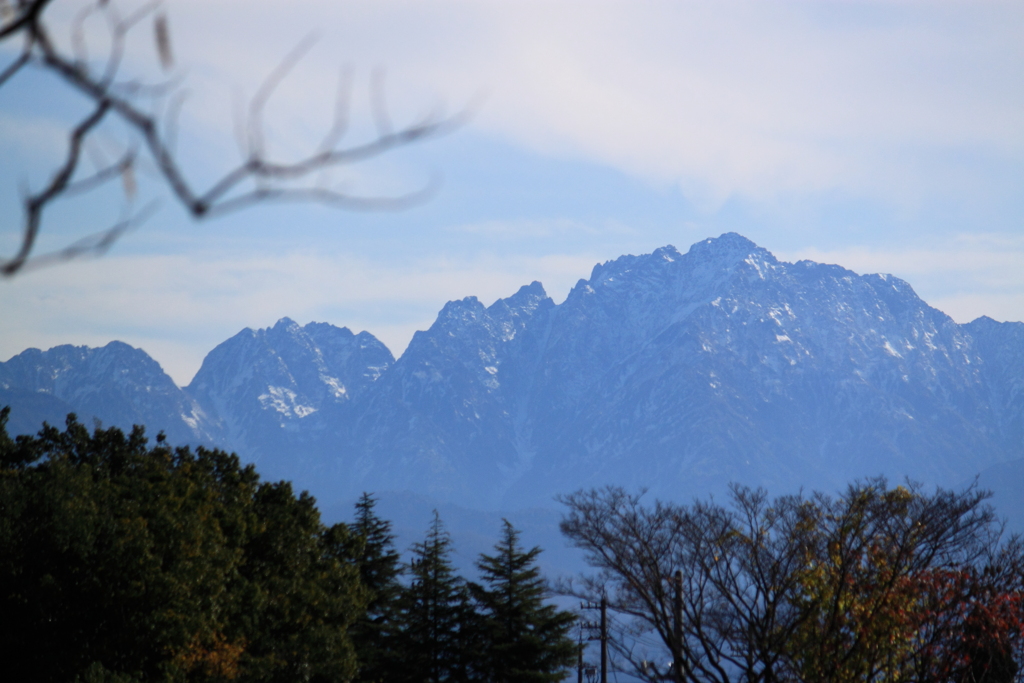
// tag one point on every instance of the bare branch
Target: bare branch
(174, 108)
(162, 37)
(341, 112)
(259, 101)
(119, 29)
(257, 178)
(326, 196)
(104, 175)
(819, 589)
(78, 45)
(34, 205)
(29, 14)
(136, 88)
(128, 179)
(256, 167)
(93, 245)
(13, 67)
(378, 103)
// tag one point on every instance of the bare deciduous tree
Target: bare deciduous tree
(879, 584)
(150, 111)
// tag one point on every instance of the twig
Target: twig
(34, 205)
(30, 12)
(104, 175)
(174, 108)
(119, 29)
(13, 67)
(326, 196)
(271, 178)
(339, 125)
(379, 104)
(96, 244)
(259, 100)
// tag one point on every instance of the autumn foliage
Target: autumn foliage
(877, 584)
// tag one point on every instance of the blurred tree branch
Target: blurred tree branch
(136, 104)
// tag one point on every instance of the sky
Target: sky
(882, 136)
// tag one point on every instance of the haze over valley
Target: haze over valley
(675, 372)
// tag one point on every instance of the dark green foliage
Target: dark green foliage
(526, 641)
(437, 634)
(379, 569)
(121, 562)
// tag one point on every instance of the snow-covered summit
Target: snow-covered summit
(117, 383)
(678, 372)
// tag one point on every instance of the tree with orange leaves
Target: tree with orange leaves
(876, 584)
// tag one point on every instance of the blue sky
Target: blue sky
(883, 136)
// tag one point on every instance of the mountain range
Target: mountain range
(674, 372)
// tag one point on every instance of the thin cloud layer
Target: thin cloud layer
(719, 98)
(179, 307)
(883, 136)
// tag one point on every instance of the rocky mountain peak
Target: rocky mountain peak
(117, 383)
(674, 371)
(459, 312)
(729, 247)
(286, 324)
(527, 297)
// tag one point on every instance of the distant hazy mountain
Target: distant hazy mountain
(680, 373)
(116, 384)
(675, 372)
(279, 396)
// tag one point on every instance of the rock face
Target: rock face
(675, 372)
(116, 384)
(448, 419)
(1001, 345)
(279, 396)
(682, 372)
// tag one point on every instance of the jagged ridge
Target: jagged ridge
(676, 372)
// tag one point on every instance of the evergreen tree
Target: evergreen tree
(527, 641)
(379, 568)
(435, 640)
(122, 562)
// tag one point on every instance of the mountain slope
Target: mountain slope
(680, 373)
(670, 371)
(116, 384)
(441, 421)
(279, 395)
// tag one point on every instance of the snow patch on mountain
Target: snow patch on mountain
(678, 372)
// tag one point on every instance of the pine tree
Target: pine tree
(437, 623)
(527, 641)
(379, 569)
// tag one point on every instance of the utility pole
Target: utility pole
(677, 671)
(604, 639)
(603, 633)
(579, 663)
(677, 626)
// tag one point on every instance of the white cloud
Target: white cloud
(966, 277)
(721, 98)
(179, 307)
(894, 103)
